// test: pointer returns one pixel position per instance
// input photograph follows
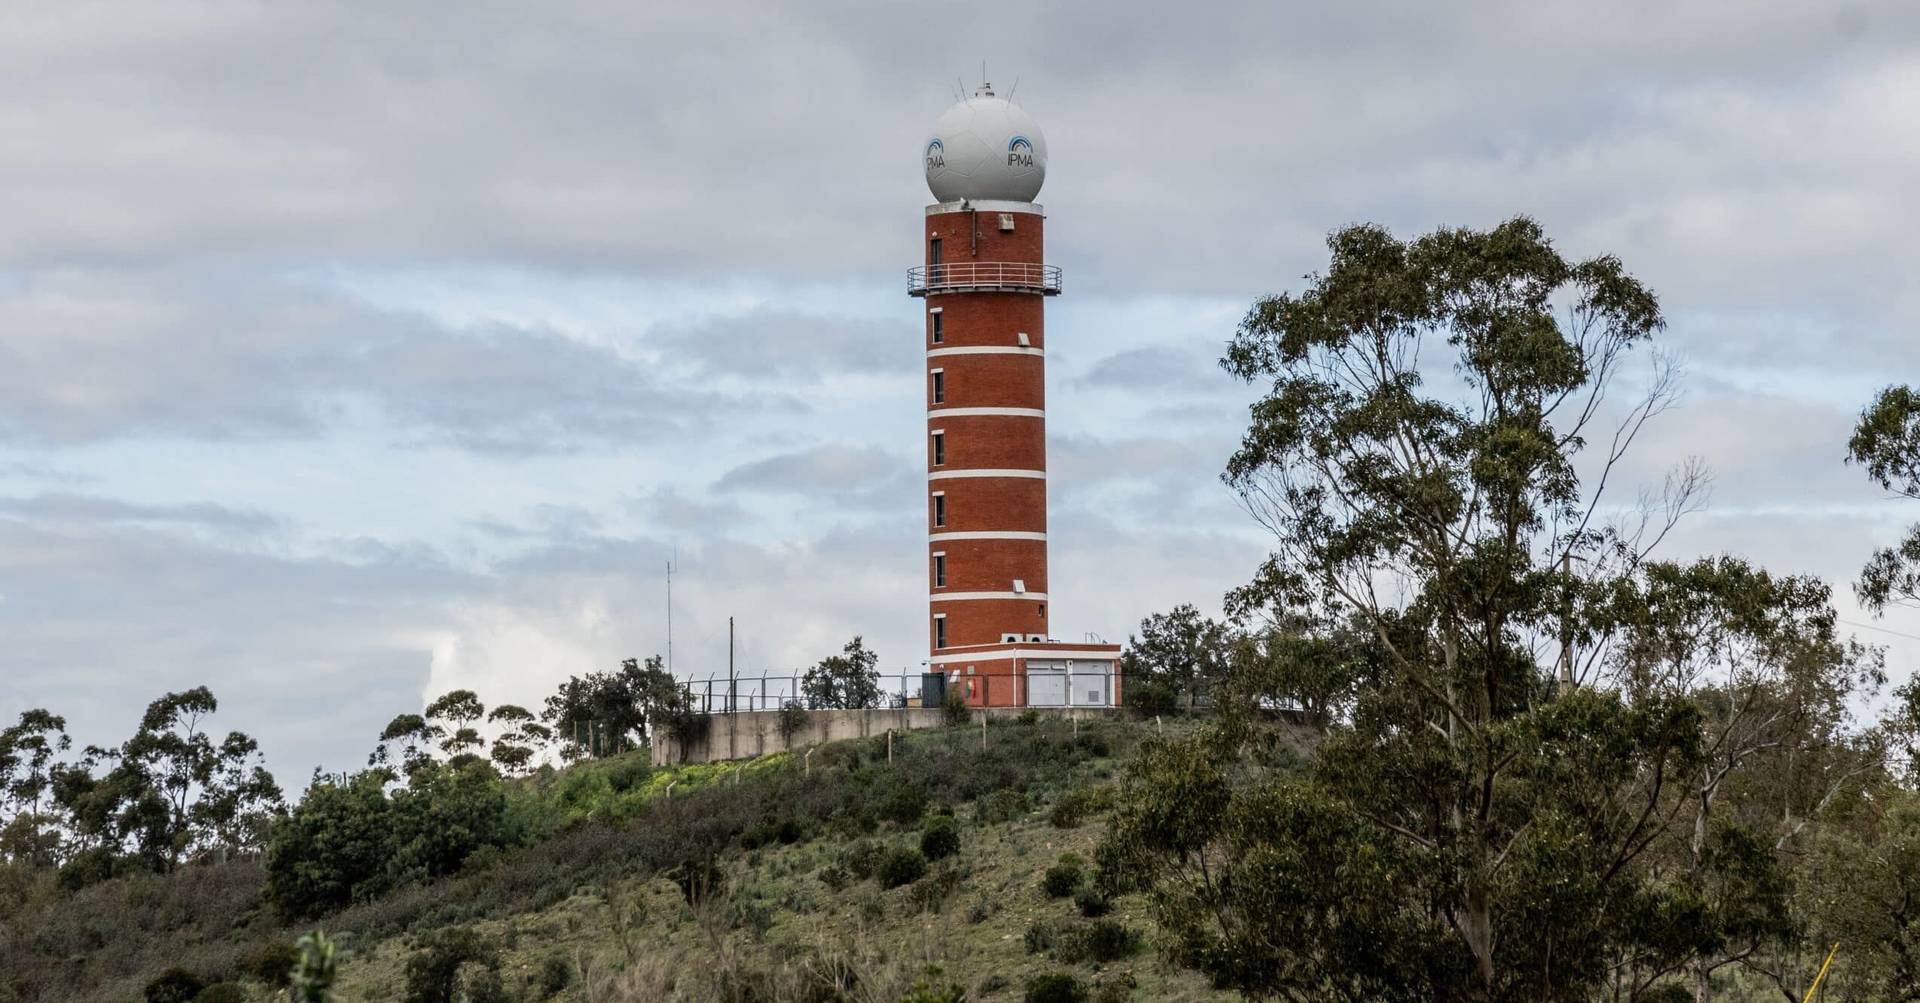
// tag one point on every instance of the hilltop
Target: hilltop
(952, 865)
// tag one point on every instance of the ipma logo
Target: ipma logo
(936, 155)
(1019, 152)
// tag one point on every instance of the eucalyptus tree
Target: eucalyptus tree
(1760, 657)
(1421, 458)
(454, 715)
(521, 739)
(1180, 648)
(847, 680)
(1886, 441)
(414, 737)
(27, 751)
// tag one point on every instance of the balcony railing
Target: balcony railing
(984, 276)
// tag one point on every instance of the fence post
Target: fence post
(889, 746)
(670, 786)
(983, 727)
(806, 763)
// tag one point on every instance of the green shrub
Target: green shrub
(1093, 742)
(1116, 991)
(1028, 717)
(175, 985)
(793, 718)
(1040, 936)
(1092, 902)
(1070, 945)
(1150, 697)
(954, 710)
(222, 992)
(940, 837)
(1005, 805)
(993, 984)
(1055, 987)
(270, 963)
(698, 880)
(861, 858)
(900, 866)
(454, 964)
(932, 892)
(834, 876)
(556, 973)
(89, 867)
(349, 841)
(314, 973)
(902, 801)
(1062, 878)
(1109, 940)
(1071, 808)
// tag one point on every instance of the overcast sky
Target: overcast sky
(352, 353)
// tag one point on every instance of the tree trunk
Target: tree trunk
(1476, 925)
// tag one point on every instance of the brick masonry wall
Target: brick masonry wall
(989, 381)
(989, 319)
(980, 504)
(982, 621)
(990, 565)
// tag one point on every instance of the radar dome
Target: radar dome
(985, 147)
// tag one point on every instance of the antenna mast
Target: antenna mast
(675, 557)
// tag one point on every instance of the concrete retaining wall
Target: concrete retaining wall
(757, 733)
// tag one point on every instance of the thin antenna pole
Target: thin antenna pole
(733, 723)
(1016, 86)
(675, 557)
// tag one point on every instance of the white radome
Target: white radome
(985, 148)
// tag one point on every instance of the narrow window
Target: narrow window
(939, 571)
(939, 327)
(1043, 609)
(939, 386)
(940, 510)
(939, 448)
(933, 251)
(940, 631)
(936, 275)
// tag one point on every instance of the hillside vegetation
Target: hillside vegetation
(854, 878)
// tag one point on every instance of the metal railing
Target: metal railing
(761, 692)
(987, 276)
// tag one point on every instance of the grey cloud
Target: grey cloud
(544, 522)
(674, 510)
(73, 508)
(783, 346)
(1160, 369)
(1201, 152)
(854, 477)
(309, 655)
(100, 355)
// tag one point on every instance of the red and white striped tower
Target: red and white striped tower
(985, 283)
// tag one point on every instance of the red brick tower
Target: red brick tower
(985, 283)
